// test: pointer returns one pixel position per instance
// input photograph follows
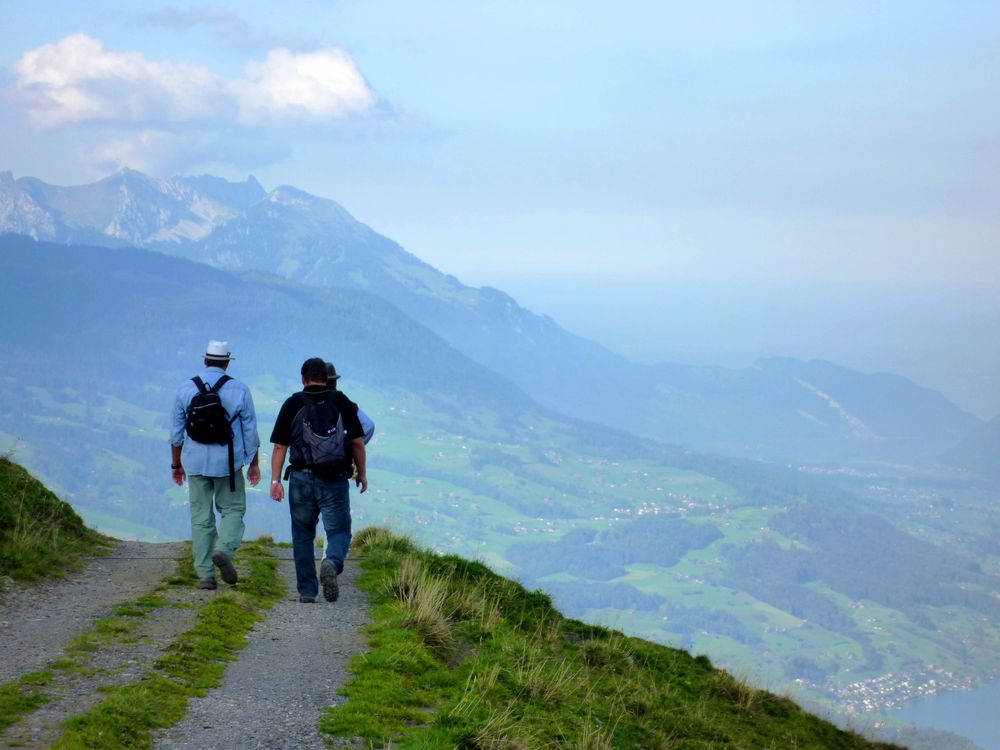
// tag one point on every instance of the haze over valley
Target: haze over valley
(683, 314)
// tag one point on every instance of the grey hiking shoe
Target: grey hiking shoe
(226, 568)
(328, 578)
(307, 599)
(206, 583)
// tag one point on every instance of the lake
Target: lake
(972, 713)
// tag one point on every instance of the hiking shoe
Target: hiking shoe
(226, 568)
(307, 599)
(207, 583)
(328, 577)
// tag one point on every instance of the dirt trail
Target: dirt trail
(274, 696)
(37, 621)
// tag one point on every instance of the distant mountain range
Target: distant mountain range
(780, 409)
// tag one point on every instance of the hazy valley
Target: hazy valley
(845, 549)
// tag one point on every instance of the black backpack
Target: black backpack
(207, 421)
(319, 440)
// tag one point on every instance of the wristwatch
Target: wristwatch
(175, 466)
(275, 481)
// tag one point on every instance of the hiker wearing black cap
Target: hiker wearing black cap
(213, 436)
(320, 429)
(367, 425)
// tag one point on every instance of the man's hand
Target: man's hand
(277, 491)
(253, 474)
(178, 474)
(277, 461)
(360, 463)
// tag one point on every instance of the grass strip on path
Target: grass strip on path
(191, 665)
(463, 658)
(29, 692)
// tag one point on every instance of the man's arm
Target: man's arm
(177, 424)
(358, 449)
(248, 424)
(277, 462)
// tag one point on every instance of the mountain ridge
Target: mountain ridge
(770, 412)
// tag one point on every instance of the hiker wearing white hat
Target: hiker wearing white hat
(213, 436)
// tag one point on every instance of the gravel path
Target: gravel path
(274, 695)
(37, 621)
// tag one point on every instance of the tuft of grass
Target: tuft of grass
(141, 606)
(542, 678)
(40, 535)
(517, 674)
(501, 730)
(382, 538)
(425, 598)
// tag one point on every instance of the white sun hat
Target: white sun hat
(218, 350)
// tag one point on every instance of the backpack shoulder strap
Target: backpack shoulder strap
(199, 384)
(304, 403)
(219, 383)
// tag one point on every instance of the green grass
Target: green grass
(462, 658)
(23, 696)
(191, 665)
(40, 535)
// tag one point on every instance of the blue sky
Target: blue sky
(558, 149)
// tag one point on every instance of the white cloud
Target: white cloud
(324, 85)
(77, 80)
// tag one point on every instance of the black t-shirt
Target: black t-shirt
(282, 432)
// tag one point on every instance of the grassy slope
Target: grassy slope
(461, 657)
(40, 535)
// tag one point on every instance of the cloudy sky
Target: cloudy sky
(566, 151)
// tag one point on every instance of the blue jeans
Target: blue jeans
(308, 498)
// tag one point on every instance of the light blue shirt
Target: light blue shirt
(367, 426)
(213, 460)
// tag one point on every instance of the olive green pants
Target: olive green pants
(209, 495)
